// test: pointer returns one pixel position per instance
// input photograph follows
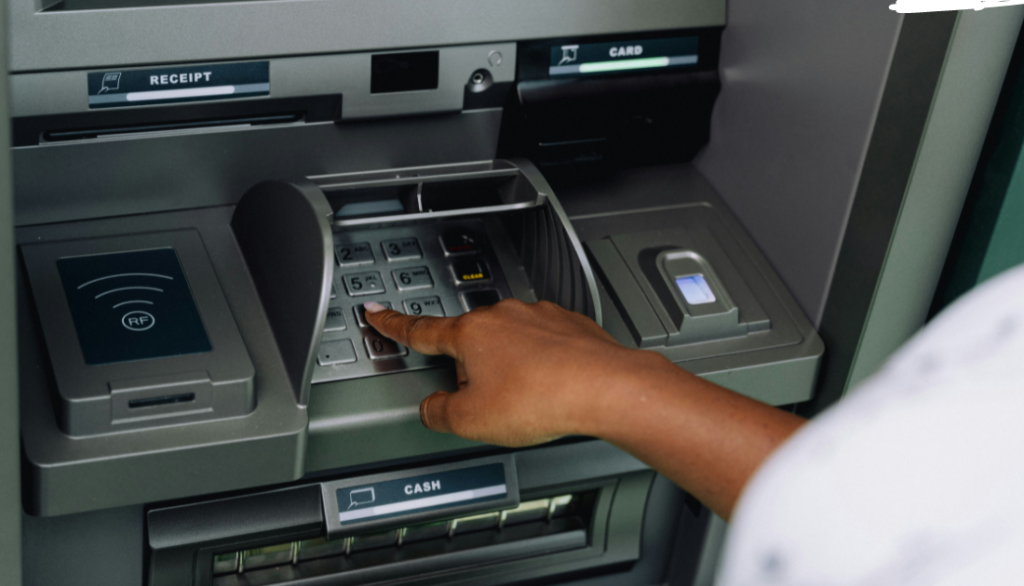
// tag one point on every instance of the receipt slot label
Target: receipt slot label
(181, 83)
(427, 492)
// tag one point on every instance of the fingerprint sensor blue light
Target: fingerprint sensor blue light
(695, 289)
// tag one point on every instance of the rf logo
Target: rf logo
(138, 321)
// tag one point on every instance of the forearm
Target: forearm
(703, 437)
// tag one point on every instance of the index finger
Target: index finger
(424, 334)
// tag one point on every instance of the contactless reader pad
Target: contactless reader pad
(132, 306)
(139, 333)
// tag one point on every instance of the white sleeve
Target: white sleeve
(917, 478)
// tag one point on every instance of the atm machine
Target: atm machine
(206, 193)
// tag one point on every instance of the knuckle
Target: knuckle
(386, 321)
(465, 323)
(454, 416)
(413, 327)
(546, 305)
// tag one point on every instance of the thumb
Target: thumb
(433, 412)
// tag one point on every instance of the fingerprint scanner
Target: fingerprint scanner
(695, 289)
(132, 306)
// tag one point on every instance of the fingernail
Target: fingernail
(373, 307)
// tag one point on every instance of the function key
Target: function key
(358, 284)
(380, 348)
(458, 241)
(414, 278)
(335, 320)
(402, 249)
(354, 255)
(475, 299)
(361, 314)
(336, 352)
(424, 306)
(470, 271)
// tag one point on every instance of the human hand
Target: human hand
(527, 374)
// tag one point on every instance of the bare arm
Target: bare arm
(533, 373)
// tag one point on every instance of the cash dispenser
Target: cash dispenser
(199, 229)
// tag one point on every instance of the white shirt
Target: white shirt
(916, 478)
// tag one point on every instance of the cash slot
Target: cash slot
(535, 527)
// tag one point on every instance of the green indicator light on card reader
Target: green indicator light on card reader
(624, 65)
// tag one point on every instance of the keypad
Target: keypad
(437, 270)
(424, 306)
(412, 278)
(471, 271)
(354, 255)
(359, 284)
(402, 249)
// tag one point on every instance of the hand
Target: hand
(527, 374)
(533, 373)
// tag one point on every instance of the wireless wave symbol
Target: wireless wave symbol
(137, 320)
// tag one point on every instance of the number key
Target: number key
(361, 314)
(424, 306)
(354, 254)
(402, 249)
(413, 278)
(358, 284)
(381, 348)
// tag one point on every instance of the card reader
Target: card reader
(139, 333)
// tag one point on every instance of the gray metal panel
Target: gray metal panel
(972, 77)
(714, 540)
(117, 176)
(51, 40)
(547, 466)
(10, 446)
(643, 323)
(801, 81)
(370, 420)
(99, 548)
(893, 220)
